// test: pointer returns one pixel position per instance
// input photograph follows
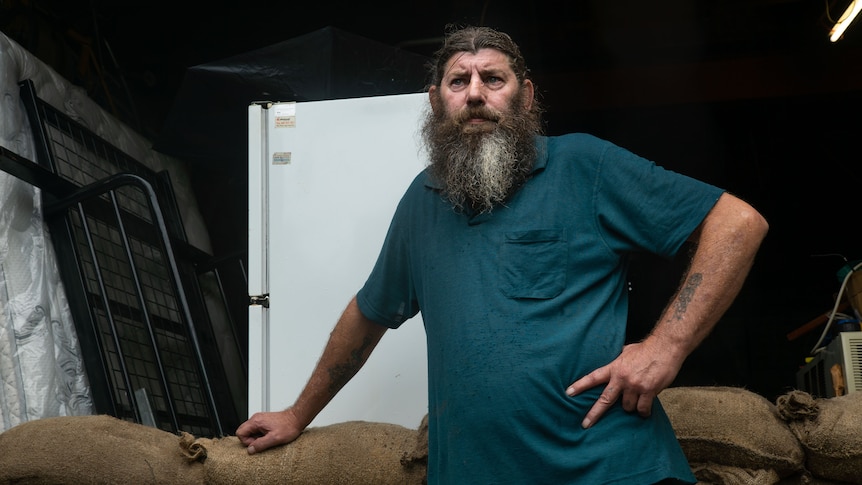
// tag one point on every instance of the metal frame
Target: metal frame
(130, 218)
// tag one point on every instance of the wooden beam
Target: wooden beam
(814, 323)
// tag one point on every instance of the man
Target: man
(514, 247)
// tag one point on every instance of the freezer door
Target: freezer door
(335, 171)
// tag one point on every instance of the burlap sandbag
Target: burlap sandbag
(806, 478)
(830, 431)
(733, 427)
(712, 474)
(419, 453)
(353, 452)
(78, 450)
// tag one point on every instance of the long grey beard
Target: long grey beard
(483, 174)
(479, 170)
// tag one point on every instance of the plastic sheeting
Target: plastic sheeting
(41, 368)
(207, 122)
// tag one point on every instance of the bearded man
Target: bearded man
(481, 152)
(514, 247)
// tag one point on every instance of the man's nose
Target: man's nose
(476, 91)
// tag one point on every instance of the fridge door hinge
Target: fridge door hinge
(262, 300)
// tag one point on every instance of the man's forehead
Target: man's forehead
(486, 59)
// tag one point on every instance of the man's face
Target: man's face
(481, 80)
(480, 131)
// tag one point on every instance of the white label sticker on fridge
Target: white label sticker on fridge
(285, 115)
(281, 158)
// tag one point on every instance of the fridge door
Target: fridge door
(333, 173)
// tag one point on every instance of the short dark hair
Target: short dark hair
(472, 39)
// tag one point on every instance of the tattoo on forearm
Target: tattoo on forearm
(686, 294)
(340, 374)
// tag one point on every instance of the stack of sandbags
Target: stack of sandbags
(732, 436)
(353, 452)
(78, 450)
(830, 432)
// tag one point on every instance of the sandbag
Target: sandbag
(419, 454)
(830, 432)
(712, 474)
(80, 450)
(731, 426)
(806, 478)
(353, 452)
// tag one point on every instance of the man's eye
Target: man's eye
(458, 82)
(493, 80)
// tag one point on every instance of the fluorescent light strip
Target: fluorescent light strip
(844, 22)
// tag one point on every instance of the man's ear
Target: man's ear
(527, 87)
(432, 97)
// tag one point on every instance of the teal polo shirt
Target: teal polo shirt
(521, 302)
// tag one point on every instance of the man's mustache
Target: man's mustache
(478, 112)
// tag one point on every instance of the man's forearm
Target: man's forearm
(728, 242)
(350, 344)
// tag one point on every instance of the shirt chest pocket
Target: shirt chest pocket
(532, 264)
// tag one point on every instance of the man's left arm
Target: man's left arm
(727, 241)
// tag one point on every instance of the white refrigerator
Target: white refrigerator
(324, 180)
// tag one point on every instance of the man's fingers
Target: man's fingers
(630, 401)
(607, 399)
(262, 443)
(595, 378)
(644, 406)
(255, 446)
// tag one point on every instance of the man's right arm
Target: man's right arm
(350, 344)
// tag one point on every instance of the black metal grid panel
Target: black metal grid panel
(111, 276)
(84, 160)
(76, 154)
(150, 337)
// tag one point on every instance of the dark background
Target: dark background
(746, 94)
